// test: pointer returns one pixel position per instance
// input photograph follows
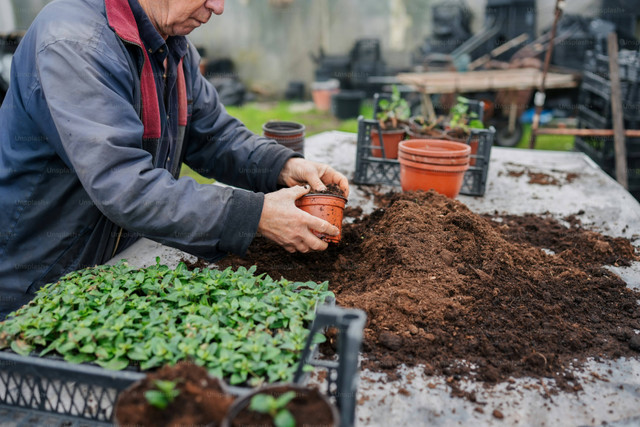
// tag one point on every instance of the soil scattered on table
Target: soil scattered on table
(558, 179)
(201, 400)
(468, 296)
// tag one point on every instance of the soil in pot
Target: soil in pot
(309, 408)
(441, 285)
(201, 399)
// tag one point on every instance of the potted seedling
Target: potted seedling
(392, 116)
(462, 120)
(420, 127)
(183, 394)
(283, 405)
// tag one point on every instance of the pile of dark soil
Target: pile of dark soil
(470, 297)
(201, 400)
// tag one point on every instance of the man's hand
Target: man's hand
(287, 225)
(299, 171)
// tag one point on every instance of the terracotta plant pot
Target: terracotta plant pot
(390, 139)
(321, 93)
(435, 151)
(289, 134)
(324, 206)
(472, 140)
(309, 408)
(433, 165)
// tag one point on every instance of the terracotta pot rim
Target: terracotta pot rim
(453, 169)
(447, 161)
(331, 196)
(434, 148)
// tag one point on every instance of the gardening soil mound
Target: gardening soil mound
(471, 296)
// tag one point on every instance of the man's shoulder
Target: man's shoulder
(82, 21)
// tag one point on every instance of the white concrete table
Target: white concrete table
(425, 400)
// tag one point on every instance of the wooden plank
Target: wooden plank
(474, 81)
(634, 133)
(617, 112)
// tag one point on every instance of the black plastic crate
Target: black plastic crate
(372, 170)
(84, 394)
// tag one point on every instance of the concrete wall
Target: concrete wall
(271, 41)
(271, 45)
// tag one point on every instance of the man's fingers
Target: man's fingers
(323, 227)
(298, 191)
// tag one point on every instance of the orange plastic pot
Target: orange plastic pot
(324, 206)
(443, 179)
(450, 161)
(436, 148)
(390, 140)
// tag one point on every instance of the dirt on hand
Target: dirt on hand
(471, 296)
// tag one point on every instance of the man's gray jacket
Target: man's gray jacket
(77, 182)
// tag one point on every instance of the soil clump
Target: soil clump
(469, 296)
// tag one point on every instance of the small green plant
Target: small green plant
(393, 113)
(275, 407)
(165, 394)
(423, 126)
(241, 326)
(460, 118)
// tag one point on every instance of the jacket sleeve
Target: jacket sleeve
(88, 89)
(221, 147)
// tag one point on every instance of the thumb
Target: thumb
(298, 191)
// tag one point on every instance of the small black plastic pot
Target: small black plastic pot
(346, 104)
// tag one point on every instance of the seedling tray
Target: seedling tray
(372, 170)
(86, 394)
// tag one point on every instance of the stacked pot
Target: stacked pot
(430, 164)
(289, 134)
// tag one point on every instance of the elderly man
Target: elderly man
(105, 104)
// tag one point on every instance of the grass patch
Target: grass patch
(254, 115)
(547, 142)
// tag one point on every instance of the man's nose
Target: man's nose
(216, 6)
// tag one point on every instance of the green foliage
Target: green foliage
(240, 326)
(165, 394)
(394, 112)
(275, 407)
(461, 118)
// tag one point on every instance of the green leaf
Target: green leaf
(284, 418)
(88, 348)
(285, 398)
(115, 364)
(156, 398)
(21, 347)
(262, 403)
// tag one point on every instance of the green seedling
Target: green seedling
(165, 394)
(275, 407)
(461, 118)
(244, 327)
(393, 113)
